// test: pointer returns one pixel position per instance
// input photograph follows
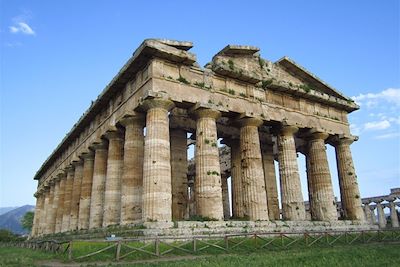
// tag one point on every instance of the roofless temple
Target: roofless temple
(124, 163)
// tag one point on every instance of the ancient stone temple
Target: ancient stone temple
(125, 162)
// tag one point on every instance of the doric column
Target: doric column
(86, 189)
(367, 213)
(99, 179)
(43, 223)
(53, 219)
(60, 207)
(349, 191)
(50, 216)
(270, 180)
(208, 170)
(38, 213)
(179, 166)
(67, 198)
(225, 198)
(115, 163)
(192, 198)
(157, 198)
(76, 195)
(292, 199)
(255, 198)
(393, 214)
(372, 216)
(323, 204)
(236, 178)
(381, 216)
(132, 178)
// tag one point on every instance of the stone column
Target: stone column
(323, 203)
(393, 215)
(349, 191)
(86, 189)
(208, 170)
(43, 222)
(76, 195)
(192, 196)
(61, 198)
(132, 178)
(236, 176)
(157, 195)
(367, 213)
(115, 163)
(99, 179)
(225, 198)
(179, 166)
(55, 205)
(292, 199)
(51, 215)
(270, 181)
(67, 198)
(38, 213)
(255, 197)
(381, 216)
(372, 216)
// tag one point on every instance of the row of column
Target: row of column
(89, 193)
(382, 221)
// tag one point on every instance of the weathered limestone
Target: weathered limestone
(67, 198)
(292, 198)
(61, 198)
(323, 203)
(393, 215)
(98, 185)
(349, 191)
(225, 198)
(49, 209)
(381, 216)
(236, 175)
(76, 195)
(157, 199)
(51, 219)
(208, 173)
(255, 198)
(38, 214)
(367, 214)
(178, 141)
(132, 178)
(270, 181)
(112, 192)
(86, 189)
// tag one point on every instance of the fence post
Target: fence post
(226, 242)
(118, 250)
(157, 245)
(194, 245)
(70, 250)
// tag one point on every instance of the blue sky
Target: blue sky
(57, 56)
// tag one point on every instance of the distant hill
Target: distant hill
(6, 209)
(11, 220)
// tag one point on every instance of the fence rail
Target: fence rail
(163, 246)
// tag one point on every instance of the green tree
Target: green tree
(27, 220)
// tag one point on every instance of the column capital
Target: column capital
(342, 140)
(202, 112)
(87, 155)
(113, 134)
(249, 121)
(77, 162)
(157, 103)
(132, 119)
(101, 144)
(287, 130)
(314, 135)
(69, 168)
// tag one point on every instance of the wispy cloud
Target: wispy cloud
(377, 125)
(387, 136)
(390, 95)
(22, 27)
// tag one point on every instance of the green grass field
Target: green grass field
(343, 255)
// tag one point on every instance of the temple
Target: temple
(125, 162)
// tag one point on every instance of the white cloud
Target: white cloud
(387, 136)
(22, 27)
(377, 125)
(390, 95)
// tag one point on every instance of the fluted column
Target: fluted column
(367, 213)
(115, 163)
(292, 198)
(323, 204)
(43, 222)
(208, 171)
(157, 195)
(236, 176)
(86, 189)
(393, 215)
(372, 216)
(53, 219)
(60, 207)
(381, 216)
(67, 198)
(179, 166)
(270, 181)
(38, 213)
(99, 179)
(255, 198)
(76, 195)
(50, 216)
(192, 198)
(349, 190)
(132, 178)
(225, 198)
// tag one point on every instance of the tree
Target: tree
(27, 220)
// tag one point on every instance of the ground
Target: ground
(379, 254)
